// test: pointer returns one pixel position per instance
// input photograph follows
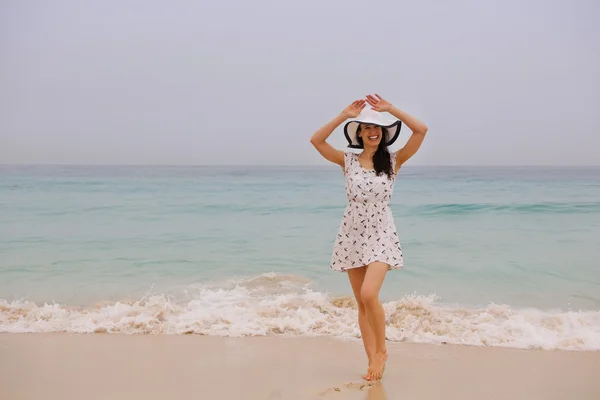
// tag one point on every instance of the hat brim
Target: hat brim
(390, 132)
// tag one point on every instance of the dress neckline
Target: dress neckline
(361, 166)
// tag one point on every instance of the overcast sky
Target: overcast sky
(247, 82)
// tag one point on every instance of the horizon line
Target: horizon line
(308, 165)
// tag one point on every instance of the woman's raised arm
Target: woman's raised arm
(319, 138)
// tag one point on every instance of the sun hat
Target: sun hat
(390, 128)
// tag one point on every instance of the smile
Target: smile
(374, 137)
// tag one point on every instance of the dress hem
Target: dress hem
(391, 266)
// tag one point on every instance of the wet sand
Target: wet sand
(70, 366)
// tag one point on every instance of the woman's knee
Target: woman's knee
(362, 309)
(368, 295)
(374, 276)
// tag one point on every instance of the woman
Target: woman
(367, 244)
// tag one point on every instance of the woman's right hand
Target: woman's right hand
(354, 109)
(319, 138)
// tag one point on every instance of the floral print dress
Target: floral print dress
(367, 232)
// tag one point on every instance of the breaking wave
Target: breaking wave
(272, 304)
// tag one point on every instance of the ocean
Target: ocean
(493, 256)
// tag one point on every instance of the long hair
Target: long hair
(382, 160)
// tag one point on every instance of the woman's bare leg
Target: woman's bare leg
(369, 294)
(357, 276)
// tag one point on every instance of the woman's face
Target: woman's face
(370, 134)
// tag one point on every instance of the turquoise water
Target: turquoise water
(473, 239)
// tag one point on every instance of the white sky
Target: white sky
(239, 82)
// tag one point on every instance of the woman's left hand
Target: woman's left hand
(378, 104)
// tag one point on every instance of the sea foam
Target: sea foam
(286, 305)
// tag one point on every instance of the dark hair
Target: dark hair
(382, 160)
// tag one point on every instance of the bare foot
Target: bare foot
(376, 367)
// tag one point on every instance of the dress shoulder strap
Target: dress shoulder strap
(348, 161)
(393, 160)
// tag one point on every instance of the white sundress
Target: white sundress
(367, 232)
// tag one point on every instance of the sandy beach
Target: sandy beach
(72, 366)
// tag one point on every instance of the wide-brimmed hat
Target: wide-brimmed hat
(390, 128)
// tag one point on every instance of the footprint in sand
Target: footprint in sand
(374, 390)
